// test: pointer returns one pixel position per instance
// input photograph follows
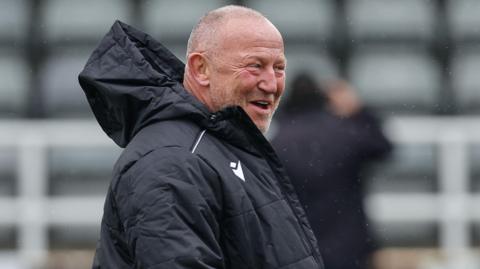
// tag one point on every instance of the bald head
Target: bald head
(235, 57)
(205, 35)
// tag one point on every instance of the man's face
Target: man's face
(248, 69)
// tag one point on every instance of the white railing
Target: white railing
(33, 211)
(453, 206)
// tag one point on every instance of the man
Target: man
(326, 139)
(197, 185)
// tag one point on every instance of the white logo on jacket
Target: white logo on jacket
(237, 170)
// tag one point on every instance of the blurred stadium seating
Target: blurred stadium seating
(72, 19)
(309, 58)
(13, 20)
(173, 19)
(415, 61)
(464, 20)
(15, 83)
(381, 20)
(396, 79)
(58, 80)
(315, 22)
(465, 78)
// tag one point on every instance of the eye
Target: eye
(255, 65)
(280, 67)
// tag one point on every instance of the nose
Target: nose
(268, 81)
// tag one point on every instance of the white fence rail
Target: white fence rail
(33, 211)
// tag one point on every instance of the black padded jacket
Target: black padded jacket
(192, 189)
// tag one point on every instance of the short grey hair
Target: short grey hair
(202, 38)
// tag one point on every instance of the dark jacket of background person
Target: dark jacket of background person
(192, 189)
(324, 155)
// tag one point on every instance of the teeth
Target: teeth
(262, 103)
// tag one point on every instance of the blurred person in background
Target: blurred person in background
(325, 138)
(198, 185)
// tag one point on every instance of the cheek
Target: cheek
(246, 81)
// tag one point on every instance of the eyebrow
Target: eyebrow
(282, 58)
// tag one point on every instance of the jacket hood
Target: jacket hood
(131, 81)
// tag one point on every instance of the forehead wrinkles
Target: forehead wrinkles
(244, 49)
(236, 38)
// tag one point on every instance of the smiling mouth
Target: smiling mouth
(261, 104)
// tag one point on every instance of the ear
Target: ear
(199, 69)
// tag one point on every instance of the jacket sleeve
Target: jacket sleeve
(168, 203)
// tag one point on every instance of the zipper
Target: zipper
(260, 139)
(281, 178)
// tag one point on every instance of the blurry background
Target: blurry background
(415, 61)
